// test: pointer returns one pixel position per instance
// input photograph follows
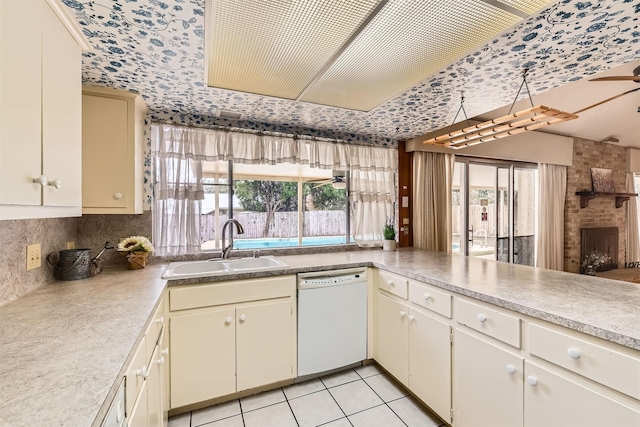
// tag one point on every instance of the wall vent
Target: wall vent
(231, 115)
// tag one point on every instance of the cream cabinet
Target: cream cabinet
(231, 336)
(112, 151)
(551, 399)
(146, 382)
(412, 344)
(40, 111)
(488, 383)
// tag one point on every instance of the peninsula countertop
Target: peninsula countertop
(65, 346)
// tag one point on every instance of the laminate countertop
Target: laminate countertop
(65, 347)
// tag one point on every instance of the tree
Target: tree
(267, 196)
(325, 197)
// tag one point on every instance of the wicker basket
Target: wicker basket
(137, 259)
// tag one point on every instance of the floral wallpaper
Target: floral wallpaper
(156, 47)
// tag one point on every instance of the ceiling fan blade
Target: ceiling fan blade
(323, 184)
(616, 78)
(607, 100)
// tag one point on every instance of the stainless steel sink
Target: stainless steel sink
(190, 269)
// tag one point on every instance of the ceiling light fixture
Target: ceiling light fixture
(527, 120)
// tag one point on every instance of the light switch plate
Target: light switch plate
(33, 256)
(71, 245)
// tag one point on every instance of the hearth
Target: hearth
(601, 239)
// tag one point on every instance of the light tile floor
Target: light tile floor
(360, 397)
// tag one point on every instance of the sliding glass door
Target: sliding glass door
(493, 212)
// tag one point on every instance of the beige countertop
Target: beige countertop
(64, 347)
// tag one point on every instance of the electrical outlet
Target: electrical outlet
(33, 257)
(71, 245)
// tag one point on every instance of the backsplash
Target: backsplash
(15, 235)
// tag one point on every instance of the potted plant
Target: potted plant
(136, 249)
(389, 233)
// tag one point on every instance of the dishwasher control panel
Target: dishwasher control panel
(331, 278)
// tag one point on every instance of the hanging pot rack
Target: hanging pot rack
(527, 120)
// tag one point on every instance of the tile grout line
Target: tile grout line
(385, 403)
(286, 399)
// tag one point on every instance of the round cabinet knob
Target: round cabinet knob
(532, 380)
(160, 320)
(42, 180)
(390, 283)
(228, 320)
(160, 361)
(119, 412)
(243, 317)
(426, 297)
(165, 352)
(574, 353)
(117, 196)
(411, 317)
(402, 314)
(142, 372)
(511, 369)
(55, 183)
(482, 317)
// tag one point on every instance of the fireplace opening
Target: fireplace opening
(602, 239)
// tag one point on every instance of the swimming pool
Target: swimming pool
(287, 242)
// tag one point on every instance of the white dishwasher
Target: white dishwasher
(332, 319)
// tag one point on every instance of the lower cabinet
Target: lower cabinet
(487, 384)
(551, 399)
(220, 350)
(416, 349)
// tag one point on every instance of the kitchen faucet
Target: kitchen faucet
(227, 249)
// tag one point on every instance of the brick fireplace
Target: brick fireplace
(601, 211)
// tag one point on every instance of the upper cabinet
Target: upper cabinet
(40, 110)
(112, 151)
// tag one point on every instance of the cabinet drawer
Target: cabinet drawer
(498, 325)
(135, 376)
(154, 329)
(601, 364)
(392, 283)
(221, 293)
(430, 298)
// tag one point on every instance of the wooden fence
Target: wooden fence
(284, 224)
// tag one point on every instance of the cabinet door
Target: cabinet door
(393, 338)
(430, 362)
(164, 354)
(154, 389)
(105, 157)
(553, 400)
(20, 102)
(61, 113)
(487, 385)
(264, 343)
(203, 359)
(138, 416)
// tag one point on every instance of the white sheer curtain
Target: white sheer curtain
(372, 197)
(633, 240)
(433, 178)
(178, 190)
(552, 188)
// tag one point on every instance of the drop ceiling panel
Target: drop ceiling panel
(526, 6)
(277, 47)
(406, 42)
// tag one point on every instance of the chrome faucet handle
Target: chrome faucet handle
(256, 254)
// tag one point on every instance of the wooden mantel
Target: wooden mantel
(585, 196)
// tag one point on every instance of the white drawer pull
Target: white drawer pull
(142, 372)
(532, 380)
(411, 317)
(482, 317)
(243, 317)
(402, 314)
(160, 361)
(511, 369)
(426, 297)
(117, 196)
(228, 320)
(42, 180)
(574, 353)
(390, 283)
(165, 352)
(56, 183)
(160, 320)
